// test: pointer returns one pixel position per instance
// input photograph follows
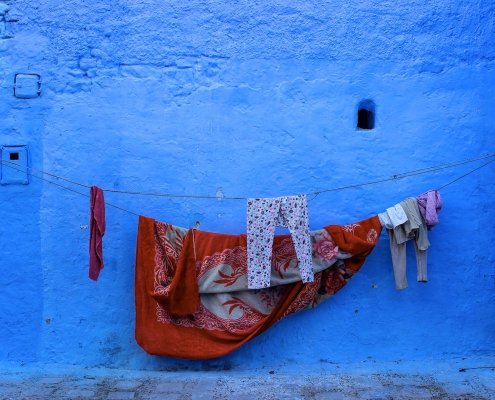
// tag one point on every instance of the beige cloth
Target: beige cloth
(413, 229)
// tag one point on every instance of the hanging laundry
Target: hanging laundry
(219, 313)
(263, 215)
(393, 216)
(96, 231)
(430, 204)
(413, 229)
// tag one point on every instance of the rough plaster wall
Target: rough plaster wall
(253, 98)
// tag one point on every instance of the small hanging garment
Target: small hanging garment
(263, 215)
(430, 203)
(393, 217)
(96, 232)
(218, 313)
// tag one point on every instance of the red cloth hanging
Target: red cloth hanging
(192, 299)
(96, 232)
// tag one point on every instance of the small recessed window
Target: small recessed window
(14, 156)
(366, 114)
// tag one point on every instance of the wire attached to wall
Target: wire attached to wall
(426, 170)
(68, 188)
(315, 193)
(466, 174)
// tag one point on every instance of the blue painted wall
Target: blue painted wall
(258, 99)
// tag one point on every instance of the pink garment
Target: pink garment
(96, 232)
(429, 204)
(263, 215)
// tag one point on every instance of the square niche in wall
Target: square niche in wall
(14, 165)
(27, 86)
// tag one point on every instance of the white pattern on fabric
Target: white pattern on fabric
(351, 228)
(263, 215)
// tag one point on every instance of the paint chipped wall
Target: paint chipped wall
(248, 99)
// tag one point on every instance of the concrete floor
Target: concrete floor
(451, 379)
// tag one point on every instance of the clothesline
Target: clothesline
(315, 193)
(490, 156)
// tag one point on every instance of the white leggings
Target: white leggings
(263, 215)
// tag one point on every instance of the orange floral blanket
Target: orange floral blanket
(191, 293)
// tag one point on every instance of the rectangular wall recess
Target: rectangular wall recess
(14, 165)
(27, 86)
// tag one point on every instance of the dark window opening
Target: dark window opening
(366, 115)
(14, 156)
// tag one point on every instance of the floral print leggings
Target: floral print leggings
(263, 215)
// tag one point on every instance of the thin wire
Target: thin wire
(408, 174)
(355, 185)
(315, 194)
(187, 196)
(74, 191)
(466, 174)
(6, 162)
(452, 164)
(47, 173)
